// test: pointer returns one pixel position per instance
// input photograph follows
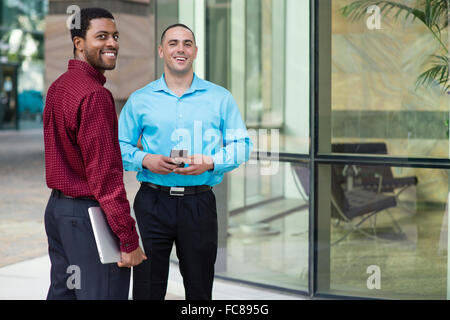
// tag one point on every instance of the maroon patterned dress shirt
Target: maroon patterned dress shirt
(82, 152)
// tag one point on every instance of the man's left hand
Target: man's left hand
(198, 164)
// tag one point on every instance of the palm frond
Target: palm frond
(358, 9)
(437, 74)
(436, 12)
(432, 13)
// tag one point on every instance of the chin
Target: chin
(181, 71)
(110, 67)
(106, 66)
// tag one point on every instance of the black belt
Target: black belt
(178, 191)
(59, 194)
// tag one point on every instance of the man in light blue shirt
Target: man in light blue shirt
(175, 203)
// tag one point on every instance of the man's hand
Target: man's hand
(131, 259)
(157, 163)
(198, 164)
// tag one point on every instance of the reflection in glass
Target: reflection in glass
(259, 50)
(383, 231)
(268, 235)
(374, 71)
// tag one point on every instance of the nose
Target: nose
(112, 43)
(180, 48)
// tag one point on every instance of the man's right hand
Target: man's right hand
(132, 259)
(157, 163)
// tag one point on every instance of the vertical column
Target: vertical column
(192, 14)
(267, 59)
(279, 61)
(323, 81)
(236, 181)
(238, 53)
(448, 199)
(166, 14)
(323, 99)
(296, 114)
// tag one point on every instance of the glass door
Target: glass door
(8, 96)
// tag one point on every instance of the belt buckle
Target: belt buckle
(176, 191)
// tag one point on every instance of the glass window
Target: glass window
(371, 67)
(383, 231)
(268, 223)
(259, 50)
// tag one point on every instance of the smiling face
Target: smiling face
(178, 50)
(100, 46)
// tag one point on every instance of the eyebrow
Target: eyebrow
(186, 40)
(102, 31)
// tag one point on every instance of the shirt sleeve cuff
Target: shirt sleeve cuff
(139, 157)
(131, 243)
(219, 165)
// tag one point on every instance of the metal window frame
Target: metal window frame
(317, 158)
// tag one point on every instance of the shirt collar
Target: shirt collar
(87, 68)
(196, 85)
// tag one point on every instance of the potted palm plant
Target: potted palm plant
(433, 14)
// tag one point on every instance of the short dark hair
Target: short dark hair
(174, 26)
(86, 15)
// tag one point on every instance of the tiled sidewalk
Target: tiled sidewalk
(29, 280)
(24, 264)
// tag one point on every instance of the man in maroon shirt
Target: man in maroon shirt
(84, 169)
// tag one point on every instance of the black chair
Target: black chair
(376, 178)
(347, 205)
(358, 202)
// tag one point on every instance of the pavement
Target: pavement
(30, 279)
(24, 263)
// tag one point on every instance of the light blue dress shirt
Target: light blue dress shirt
(204, 120)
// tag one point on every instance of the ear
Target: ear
(160, 51)
(195, 52)
(78, 42)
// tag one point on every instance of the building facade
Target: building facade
(346, 192)
(21, 63)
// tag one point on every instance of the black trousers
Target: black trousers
(191, 223)
(76, 270)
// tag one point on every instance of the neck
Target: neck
(78, 56)
(178, 83)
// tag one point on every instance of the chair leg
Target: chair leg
(374, 225)
(397, 227)
(401, 203)
(355, 228)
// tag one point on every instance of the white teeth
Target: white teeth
(110, 54)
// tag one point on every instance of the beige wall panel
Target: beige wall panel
(136, 63)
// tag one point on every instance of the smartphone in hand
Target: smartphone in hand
(179, 153)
